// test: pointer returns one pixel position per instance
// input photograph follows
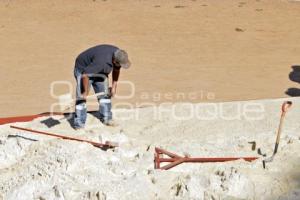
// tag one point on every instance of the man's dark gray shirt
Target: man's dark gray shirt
(96, 60)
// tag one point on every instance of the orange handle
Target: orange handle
(286, 105)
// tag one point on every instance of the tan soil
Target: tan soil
(237, 50)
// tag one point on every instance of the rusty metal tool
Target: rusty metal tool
(175, 159)
(284, 108)
(105, 146)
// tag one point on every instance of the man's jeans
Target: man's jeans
(100, 84)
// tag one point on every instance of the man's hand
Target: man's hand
(113, 91)
(84, 95)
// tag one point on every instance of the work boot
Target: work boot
(79, 128)
(109, 123)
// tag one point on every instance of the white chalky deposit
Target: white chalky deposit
(41, 167)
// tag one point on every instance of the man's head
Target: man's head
(121, 58)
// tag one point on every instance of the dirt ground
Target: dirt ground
(203, 50)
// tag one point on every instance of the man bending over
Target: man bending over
(92, 67)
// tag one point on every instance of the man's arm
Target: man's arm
(85, 82)
(115, 78)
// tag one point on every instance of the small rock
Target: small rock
(253, 147)
(239, 30)
(179, 6)
(179, 189)
(101, 196)
(186, 154)
(153, 180)
(56, 191)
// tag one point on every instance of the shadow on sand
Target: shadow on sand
(294, 76)
(51, 122)
(20, 136)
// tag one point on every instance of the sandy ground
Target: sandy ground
(191, 51)
(42, 167)
(216, 50)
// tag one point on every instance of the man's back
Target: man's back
(96, 60)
